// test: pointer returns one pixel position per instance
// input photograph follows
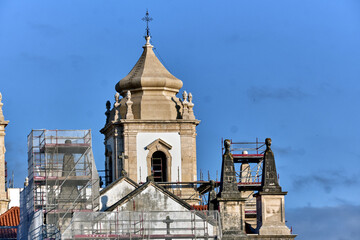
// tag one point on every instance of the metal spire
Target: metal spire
(147, 19)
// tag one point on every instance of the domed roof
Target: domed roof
(148, 73)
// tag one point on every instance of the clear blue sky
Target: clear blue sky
(288, 70)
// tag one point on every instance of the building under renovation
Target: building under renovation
(151, 190)
(62, 179)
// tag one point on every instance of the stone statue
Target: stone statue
(108, 105)
(117, 97)
(185, 106)
(107, 113)
(190, 97)
(1, 112)
(185, 96)
(117, 107)
(268, 143)
(227, 144)
(129, 103)
(128, 95)
(191, 106)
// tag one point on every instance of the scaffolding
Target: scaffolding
(145, 225)
(62, 177)
(248, 161)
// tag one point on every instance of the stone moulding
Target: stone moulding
(159, 145)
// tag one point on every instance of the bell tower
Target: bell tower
(4, 201)
(148, 130)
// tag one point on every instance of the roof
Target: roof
(148, 72)
(11, 217)
(123, 178)
(142, 188)
(200, 207)
(8, 232)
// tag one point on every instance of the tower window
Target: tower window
(159, 166)
(108, 171)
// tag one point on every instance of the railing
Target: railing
(144, 225)
(252, 148)
(56, 137)
(250, 174)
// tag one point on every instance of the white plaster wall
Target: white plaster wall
(151, 199)
(144, 139)
(114, 194)
(14, 196)
(157, 206)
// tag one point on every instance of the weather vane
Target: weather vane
(147, 19)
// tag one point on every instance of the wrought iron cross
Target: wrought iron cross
(147, 19)
(168, 221)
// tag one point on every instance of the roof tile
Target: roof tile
(11, 217)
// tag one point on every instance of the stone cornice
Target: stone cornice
(122, 122)
(5, 123)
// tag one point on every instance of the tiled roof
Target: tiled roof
(11, 217)
(200, 207)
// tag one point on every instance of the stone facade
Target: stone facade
(270, 209)
(4, 201)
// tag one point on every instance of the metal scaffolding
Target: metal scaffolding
(62, 176)
(145, 225)
(250, 156)
(248, 160)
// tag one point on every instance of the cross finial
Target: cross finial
(147, 19)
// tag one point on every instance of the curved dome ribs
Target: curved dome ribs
(153, 88)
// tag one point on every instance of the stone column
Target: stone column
(130, 163)
(231, 204)
(188, 161)
(4, 201)
(270, 200)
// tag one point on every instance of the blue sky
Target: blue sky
(288, 70)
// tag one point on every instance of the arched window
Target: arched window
(159, 166)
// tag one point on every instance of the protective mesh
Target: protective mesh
(62, 177)
(144, 225)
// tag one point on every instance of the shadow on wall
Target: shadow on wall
(104, 200)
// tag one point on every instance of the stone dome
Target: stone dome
(148, 74)
(153, 89)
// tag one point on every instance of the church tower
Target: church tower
(4, 201)
(149, 131)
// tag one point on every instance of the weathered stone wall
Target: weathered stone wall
(151, 200)
(114, 194)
